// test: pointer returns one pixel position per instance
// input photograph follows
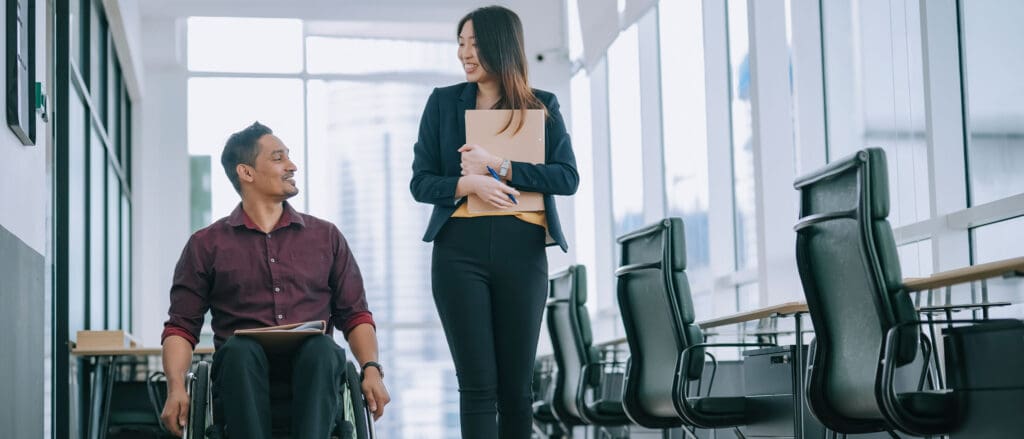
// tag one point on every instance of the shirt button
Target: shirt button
(277, 289)
(268, 236)
(273, 260)
(280, 316)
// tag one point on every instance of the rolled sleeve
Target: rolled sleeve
(349, 308)
(189, 294)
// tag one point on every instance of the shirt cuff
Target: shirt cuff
(356, 320)
(174, 330)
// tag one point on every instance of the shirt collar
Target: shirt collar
(289, 216)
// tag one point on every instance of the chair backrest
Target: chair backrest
(850, 273)
(571, 339)
(657, 313)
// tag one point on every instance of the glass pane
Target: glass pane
(875, 94)
(583, 201)
(747, 295)
(113, 290)
(77, 186)
(998, 241)
(336, 55)
(218, 107)
(684, 129)
(916, 258)
(742, 140)
(126, 130)
(360, 165)
(75, 26)
(245, 45)
(624, 133)
(97, 231)
(995, 242)
(993, 65)
(97, 56)
(126, 263)
(113, 75)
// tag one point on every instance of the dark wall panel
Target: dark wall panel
(22, 325)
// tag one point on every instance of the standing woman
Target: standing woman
(489, 271)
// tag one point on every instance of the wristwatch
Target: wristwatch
(503, 169)
(372, 364)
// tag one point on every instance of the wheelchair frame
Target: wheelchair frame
(200, 410)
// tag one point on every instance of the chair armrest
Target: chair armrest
(1013, 267)
(685, 355)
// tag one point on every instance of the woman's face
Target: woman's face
(467, 55)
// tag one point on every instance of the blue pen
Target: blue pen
(495, 175)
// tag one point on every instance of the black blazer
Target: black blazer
(436, 171)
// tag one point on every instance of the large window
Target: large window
(583, 201)
(744, 189)
(684, 133)
(624, 132)
(351, 127)
(874, 90)
(92, 225)
(993, 63)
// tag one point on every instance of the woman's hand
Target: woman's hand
(476, 159)
(490, 190)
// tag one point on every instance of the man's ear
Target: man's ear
(245, 173)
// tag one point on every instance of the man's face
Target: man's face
(274, 173)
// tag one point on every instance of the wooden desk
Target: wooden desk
(101, 362)
(118, 352)
(1011, 267)
(781, 310)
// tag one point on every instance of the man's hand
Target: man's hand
(476, 159)
(374, 391)
(175, 412)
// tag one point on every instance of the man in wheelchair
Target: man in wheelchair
(263, 265)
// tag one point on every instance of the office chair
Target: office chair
(865, 322)
(577, 397)
(667, 349)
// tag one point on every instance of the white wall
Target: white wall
(25, 182)
(160, 187)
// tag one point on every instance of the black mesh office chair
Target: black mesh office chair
(577, 398)
(666, 347)
(864, 321)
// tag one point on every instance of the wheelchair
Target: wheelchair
(355, 420)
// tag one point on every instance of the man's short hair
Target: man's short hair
(241, 148)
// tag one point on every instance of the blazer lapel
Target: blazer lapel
(467, 101)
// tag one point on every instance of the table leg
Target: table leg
(798, 394)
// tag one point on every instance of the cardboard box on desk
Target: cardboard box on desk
(110, 339)
(284, 338)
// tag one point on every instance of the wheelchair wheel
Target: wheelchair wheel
(200, 410)
(361, 415)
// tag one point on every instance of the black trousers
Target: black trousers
(490, 284)
(242, 373)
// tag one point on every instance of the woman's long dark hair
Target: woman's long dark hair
(499, 42)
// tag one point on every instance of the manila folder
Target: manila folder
(284, 338)
(484, 128)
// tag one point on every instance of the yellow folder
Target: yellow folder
(484, 128)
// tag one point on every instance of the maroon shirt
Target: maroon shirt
(302, 270)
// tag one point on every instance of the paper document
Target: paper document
(284, 338)
(483, 127)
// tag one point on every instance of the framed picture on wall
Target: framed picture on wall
(21, 66)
